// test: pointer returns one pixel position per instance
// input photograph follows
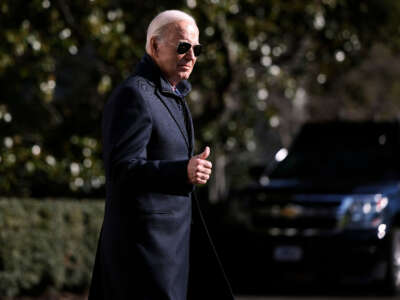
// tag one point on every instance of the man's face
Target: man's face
(176, 67)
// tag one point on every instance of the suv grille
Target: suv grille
(298, 216)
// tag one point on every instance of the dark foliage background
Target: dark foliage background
(268, 66)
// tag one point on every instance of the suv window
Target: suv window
(343, 150)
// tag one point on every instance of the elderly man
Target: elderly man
(148, 138)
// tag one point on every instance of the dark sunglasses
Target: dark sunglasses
(184, 47)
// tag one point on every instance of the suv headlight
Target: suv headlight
(363, 211)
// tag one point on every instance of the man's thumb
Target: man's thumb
(205, 154)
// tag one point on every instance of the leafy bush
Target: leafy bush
(38, 170)
(47, 243)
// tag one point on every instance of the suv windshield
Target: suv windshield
(343, 150)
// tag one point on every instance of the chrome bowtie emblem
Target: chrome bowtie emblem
(291, 211)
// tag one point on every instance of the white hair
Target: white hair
(163, 19)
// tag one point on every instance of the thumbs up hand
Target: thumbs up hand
(205, 154)
(199, 169)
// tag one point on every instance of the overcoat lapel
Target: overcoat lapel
(171, 109)
(191, 132)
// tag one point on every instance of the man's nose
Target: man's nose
(190, 54)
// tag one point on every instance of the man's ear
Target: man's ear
(154, 46)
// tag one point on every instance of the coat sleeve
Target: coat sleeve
(129, 134)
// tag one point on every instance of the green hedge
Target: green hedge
(47, 244)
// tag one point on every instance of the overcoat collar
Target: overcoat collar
(148, 69)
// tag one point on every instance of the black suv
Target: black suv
(328, 209)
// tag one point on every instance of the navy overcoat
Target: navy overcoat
(144, 246)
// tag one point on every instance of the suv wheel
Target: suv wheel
(393, 272)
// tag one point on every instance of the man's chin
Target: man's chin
(184, 75)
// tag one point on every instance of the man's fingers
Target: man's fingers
(205, 163)
(201, 181)
(202, 176)
(204, 169)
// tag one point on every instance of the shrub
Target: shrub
(47, 244)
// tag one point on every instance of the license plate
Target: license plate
(288, 253)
